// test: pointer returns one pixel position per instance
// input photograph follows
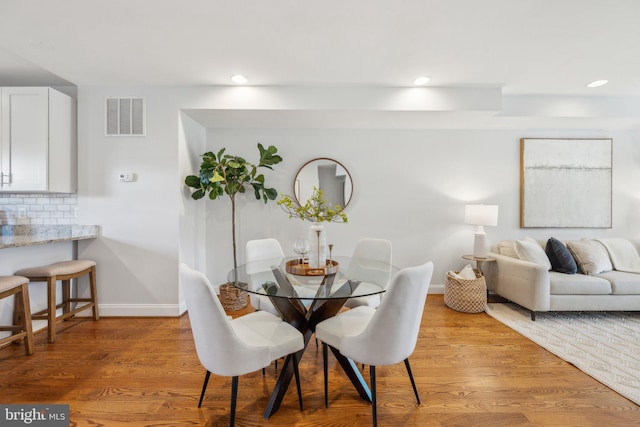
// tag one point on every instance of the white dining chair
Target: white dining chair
(233, 347)
(383, 336)
(373, 275)
(262, 250)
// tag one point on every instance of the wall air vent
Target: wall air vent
(125, 116)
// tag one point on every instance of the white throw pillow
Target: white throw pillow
(590, 255)
(467, 273)
(530, 250)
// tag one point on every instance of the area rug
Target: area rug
(604, 345)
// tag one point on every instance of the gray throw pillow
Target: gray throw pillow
(561, 259)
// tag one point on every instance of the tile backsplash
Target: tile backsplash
(38, 209)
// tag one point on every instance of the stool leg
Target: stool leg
(66, 296)
(18, 309)
(26, 318)
(94, 292)
(51, 308)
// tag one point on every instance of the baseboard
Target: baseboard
(135, 310)
(436, 288)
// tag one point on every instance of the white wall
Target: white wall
(410, 185)
(192, 226)
(137, 250)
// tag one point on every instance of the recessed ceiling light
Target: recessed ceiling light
(239, 79)
(420, 81)
(598, 83)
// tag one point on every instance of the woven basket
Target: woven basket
(467, 296)
(232, 298)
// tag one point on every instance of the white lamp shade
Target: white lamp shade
(481, 215)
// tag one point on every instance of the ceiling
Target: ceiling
(524, 47)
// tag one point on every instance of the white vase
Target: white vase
(317, 245)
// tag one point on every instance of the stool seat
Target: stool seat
(21, 327)
(62, 268)
(65, 271)
(10, 282)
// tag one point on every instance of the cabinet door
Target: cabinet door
(25, 139)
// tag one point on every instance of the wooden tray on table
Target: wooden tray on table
(295, 267)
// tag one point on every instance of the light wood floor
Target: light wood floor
(470, 371)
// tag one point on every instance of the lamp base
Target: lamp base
(480, 247)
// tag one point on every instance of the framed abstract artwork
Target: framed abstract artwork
(565, 183)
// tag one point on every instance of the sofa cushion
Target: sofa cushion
(561, 259)
(622, 283)
(578, 284)
(530, 250)
(623, 254)
(590, 255)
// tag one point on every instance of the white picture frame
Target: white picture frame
(565, 183)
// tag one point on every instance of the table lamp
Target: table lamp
(481, 215)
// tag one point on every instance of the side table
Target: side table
(479, 261)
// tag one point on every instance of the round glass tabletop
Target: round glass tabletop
(345, 277)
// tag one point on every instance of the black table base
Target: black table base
(294, 312)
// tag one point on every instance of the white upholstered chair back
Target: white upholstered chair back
(371, 248)
(218, 347)
(391, 335)
(262, 250)
(378, 250)
(371, 265)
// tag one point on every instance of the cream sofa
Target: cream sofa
(614, 285)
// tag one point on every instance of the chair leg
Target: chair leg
(325, 369)
(372, 379)
(297, 374)
(234, 397)
(204, 387)
(413, 383)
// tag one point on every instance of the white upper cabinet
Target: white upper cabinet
(38, 140)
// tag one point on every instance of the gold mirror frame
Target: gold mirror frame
(327, 174)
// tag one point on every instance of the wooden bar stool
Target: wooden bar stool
(64, 271)
(21, 327)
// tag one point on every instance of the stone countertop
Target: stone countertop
(13, 236)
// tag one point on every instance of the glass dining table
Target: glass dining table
(304, 296)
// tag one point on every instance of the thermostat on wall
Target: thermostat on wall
(125, 177)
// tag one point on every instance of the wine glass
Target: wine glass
(301, 247)
(297, 249)
(305, 248)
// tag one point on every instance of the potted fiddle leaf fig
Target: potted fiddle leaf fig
(228, 175)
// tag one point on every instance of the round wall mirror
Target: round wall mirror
(328, 175)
